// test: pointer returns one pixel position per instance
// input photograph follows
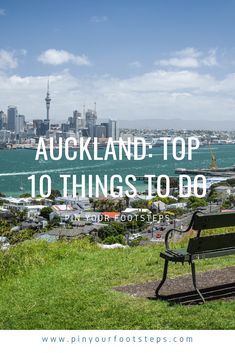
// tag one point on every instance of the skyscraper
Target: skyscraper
(113, 130)
(48, 101)
(100, 131)
(19, 124)
(106, 127)
(12, 115)
(40, 127)
(2, 120)
(91, 118)
(77, 120)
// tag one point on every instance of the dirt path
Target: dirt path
(216, 284)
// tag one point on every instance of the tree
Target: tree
(106, 232)
(104, 205)
(140, 204)
(54, 222)
(228, 203)
(114, 240)
(112, 234)
(213, 195)
(54, 194)
(126, 200)
(95, 204)
(45, 212)
(119, 227)
(142, 220)
(166, 200)
(19, 215)
(26, 194)
(194, 202)
(120, 205)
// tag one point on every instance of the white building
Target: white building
(173, 206)
(76, 202)
(65, 213)
(159, 206)
(135, 211)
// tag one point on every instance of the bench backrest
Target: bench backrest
(211, 243)
(213, 220)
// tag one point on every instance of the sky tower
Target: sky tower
(48, 101)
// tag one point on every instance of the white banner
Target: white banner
(165, 341)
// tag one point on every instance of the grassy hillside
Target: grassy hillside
(69, 286)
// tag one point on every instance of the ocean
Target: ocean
(17, 165)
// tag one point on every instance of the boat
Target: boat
(21, 188)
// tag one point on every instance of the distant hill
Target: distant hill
(178, 124)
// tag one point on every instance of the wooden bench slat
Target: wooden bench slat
(211, 254)
(214, 220)
(211, 243)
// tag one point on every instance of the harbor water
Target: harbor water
(17, 165)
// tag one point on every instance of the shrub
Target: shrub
(45, 212)
(113, 233)
(22, 235)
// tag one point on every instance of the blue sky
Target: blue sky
(163, 57)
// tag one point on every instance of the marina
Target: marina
(222, 172)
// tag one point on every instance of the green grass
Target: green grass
(70, 286)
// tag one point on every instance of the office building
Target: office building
(77, 120)
(41, 127)
(113, 130)
(91, 118)
(19, 124)
(3, 120)
(106, 126)
(12, 115)
(100, 131)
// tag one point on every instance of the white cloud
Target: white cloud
(210, 59)
(188, 52)
(99, 19)
(59, 57)
(135, 64)
(180, 62)
(159, 94)
(7, 60)
(2, 12)
(190, 58)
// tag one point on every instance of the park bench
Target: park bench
(200, 247)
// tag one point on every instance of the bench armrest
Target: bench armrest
(167, 236)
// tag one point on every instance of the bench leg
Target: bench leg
(163, 278)
(195, 282)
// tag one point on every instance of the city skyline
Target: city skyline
(14, 128)
(137, 60)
